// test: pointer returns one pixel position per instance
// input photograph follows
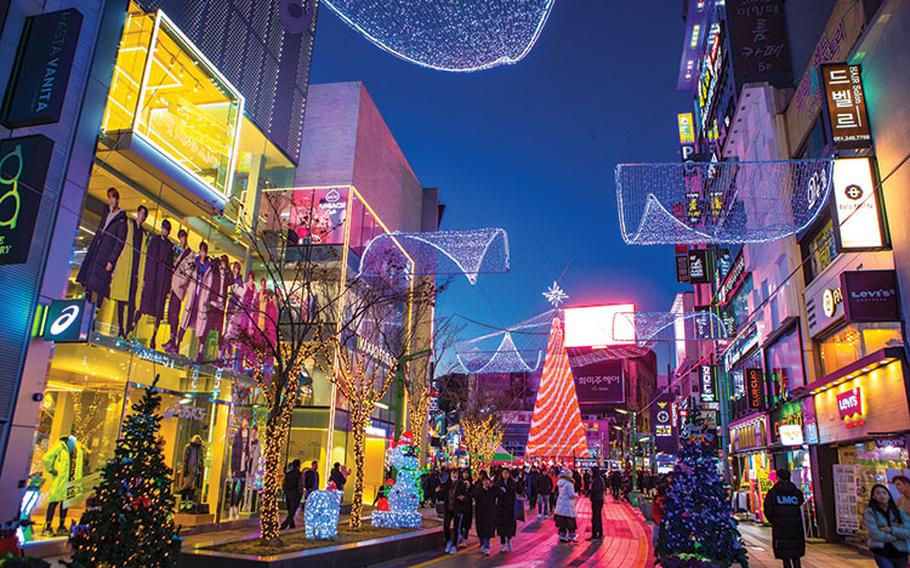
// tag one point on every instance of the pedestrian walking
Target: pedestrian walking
(615, 484)
(888, 528)
(445, 494)
(532, 478)
(586, 481)
(565, 507)
(505, 510)
(554, 477)
(576, 481)
(311, 479)
(783, 509)
(458, 491)
(467, 505)
(484, 495)
(293, 492)
(544, 489)
(597, 487)
(339, 476)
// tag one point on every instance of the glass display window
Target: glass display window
(854, 341)
(784, 360)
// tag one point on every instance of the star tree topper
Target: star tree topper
(555, 295)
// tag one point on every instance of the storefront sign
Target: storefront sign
(870, 295)
(686, 128)
(734, 278)
(752, 434)
(890, 443)
(831, 299)
(755, 388)
(698, 267)
(850, 407)
(663, 425)
(758, 35)
(68, 321)
(23, 169)
(856, 202)
(600, 383)
(845, 102)
(791, 435)
(706, 381)
(682, 269)
(740, 347)
(38, 84)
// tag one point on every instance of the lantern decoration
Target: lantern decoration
(404, 494)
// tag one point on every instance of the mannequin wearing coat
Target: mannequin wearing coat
(184, 266)
(195, 303)
(101, 257)
(129, 272)
(63, 462)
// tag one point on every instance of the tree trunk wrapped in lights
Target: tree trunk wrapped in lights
(482, 437)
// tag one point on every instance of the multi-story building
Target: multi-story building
(812, 377)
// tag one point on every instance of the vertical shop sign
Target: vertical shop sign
(708, 392)
(755, 391)
(23, 169)
(698, 267)
(42, 69)
(758, 36)
(856, 201)
(845, 103)
(662, 423)
(682, 269)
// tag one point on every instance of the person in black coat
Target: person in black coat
(505, 510)
(615, 484)
(292, 493)
(101, 257)
(463, 508)
(485, 512)
(533, 476)
(544, 490)
(445, 493)
(783, 509)
(156, 282)
(597, 486)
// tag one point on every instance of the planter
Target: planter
(351, 555)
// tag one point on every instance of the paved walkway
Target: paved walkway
(818, 555)
(626, 544)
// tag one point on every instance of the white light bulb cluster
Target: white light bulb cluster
(404, 495)
(441, 252)
(321, 514)
(454, 35)
(720, 202)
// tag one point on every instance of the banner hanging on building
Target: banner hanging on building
(845, 105)
(706, 382)
(755, 388)
(23, 170)
(663, 426)
(600, 383)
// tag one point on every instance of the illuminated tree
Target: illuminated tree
(482, 437)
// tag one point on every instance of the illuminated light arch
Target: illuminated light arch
(472, 252)
(664, 326)
(446, 35)
(506, 359)
(720, 202)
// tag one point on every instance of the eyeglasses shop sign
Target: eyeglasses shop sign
(41, 74)
(23, 170)
(857, 204)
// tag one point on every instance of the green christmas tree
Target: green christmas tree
(129, 521)
(697, 528)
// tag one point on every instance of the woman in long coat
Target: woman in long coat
(156, 284)
(564, 514)
(195, 303)
(505, 510)
(485, 512)
(101, 257)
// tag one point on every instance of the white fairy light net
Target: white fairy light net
(441, 252)
(448, 35)
(720, 202)
(516, 349)
(650, 327)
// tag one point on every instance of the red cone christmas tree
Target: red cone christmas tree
(556, 428)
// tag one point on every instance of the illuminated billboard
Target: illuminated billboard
(600, 326)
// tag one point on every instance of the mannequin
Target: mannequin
(252, 468)
(63, 462)
(128, 271)
(103, 252)
(232, 332)
(195, 303)
(184, 266)
(239, 457)
(215, 306)
(193, 468)
(156, 282)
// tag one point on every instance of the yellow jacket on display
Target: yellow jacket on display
(121, 279)
(57, 464)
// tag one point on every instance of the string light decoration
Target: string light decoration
(482, 436)
(129, 521)
(456, 36)
(404, 495)
(507, 358)
(556, 428)
(555, 295)
(720, 202)
(469, 252)
(648, 327)
(321, 513)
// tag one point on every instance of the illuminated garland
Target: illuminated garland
(720, 202)
(470, 252)
(556, 428)
(648, 327)
(464, 35)
(482, 436)
(506, 359)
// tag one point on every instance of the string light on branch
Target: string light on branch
(720, 202)
(454, 35)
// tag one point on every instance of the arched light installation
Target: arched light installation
(507, 358)
(720, 202)
(449, 35)
(669, 326)
(441, 252)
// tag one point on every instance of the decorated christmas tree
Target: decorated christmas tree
(129, 521)
(697, 528)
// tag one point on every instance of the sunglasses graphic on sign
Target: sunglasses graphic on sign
(12, 182)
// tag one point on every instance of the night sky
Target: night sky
(532, 148)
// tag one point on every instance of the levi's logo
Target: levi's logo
(881, 293)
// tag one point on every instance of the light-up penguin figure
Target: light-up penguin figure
(404, 495)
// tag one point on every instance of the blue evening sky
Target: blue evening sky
(532, 147)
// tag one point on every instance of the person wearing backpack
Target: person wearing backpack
(888, 528)
(293, 493)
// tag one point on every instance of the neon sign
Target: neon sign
(850, 407)
(23, 170)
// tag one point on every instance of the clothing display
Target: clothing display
(104, 249)
(195, 303)
(127, 274)
(64, 463)
(193, 468)
(156, 284)
(184, 268)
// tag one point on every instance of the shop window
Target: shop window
(784, 365)
(855, 341)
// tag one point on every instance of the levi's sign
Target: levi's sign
(850, 407)
(41, 73)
